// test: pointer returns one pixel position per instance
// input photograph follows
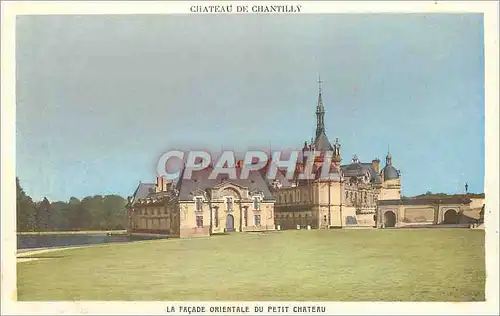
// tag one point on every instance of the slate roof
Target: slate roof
(390, 173)
(360, 169)
(200, 181)
(143, 190)
(322, 143)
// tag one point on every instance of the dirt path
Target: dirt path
(24, 254)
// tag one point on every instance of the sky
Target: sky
(100, 98)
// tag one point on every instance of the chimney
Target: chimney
(239, 164)
(158, 184)
(376, 164)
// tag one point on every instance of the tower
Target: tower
(391, 186)
(320, 112)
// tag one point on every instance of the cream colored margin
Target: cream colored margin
(11, 9)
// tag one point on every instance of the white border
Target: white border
(11, 9)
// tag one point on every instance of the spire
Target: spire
(388, 158)
(320, 111)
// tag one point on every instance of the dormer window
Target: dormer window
(256, 203)
(198, 203)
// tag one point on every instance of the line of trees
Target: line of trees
(429, 194)
(91, 213)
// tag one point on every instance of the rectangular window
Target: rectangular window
(256, 203)
(230, 204)
(199, 202)
(199, 221)
(216, 217)
(257, 220)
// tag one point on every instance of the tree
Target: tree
(43, 215)
(25, 209)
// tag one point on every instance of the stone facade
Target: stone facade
(422, 211)
(199, 207)
(347, 198)
(353, 195)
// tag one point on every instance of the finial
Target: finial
(319, 83)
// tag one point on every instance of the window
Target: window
(256, 203)
(346, 195)
(229, 203)
(324, 218)
(199, 221)
(245, 214)
(257, 220)
(216, 217)
(198, 202)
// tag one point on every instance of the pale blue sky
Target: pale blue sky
(99, 98)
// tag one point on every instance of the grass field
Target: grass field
(79, 232)
(335, 265)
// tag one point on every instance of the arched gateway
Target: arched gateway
(389, 219)
(450, 217)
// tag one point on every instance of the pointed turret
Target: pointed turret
(321, 143)
(320, 112)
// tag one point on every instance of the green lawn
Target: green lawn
(335, 265)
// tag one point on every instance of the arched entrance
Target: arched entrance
(450, 217)
(229, 223)
(389, 219)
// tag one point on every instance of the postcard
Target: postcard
(249, 158)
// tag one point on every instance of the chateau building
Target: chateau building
(348, 197)
(200, 206)
(357, 194)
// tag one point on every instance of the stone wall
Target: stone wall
(158, 219)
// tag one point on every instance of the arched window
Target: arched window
(229, 204)
(198, 202)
